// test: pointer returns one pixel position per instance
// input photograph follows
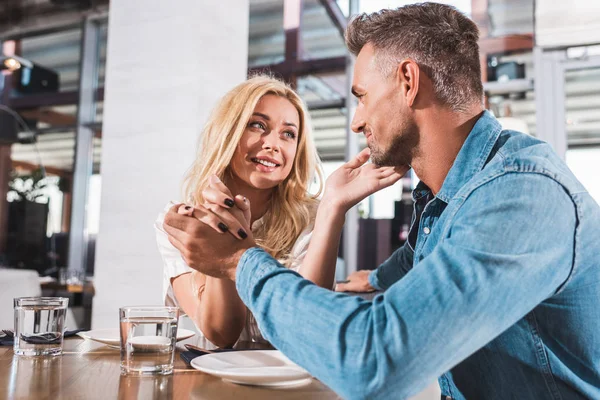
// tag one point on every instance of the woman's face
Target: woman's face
(265, 155)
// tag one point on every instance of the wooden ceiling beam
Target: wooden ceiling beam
(335, 13)
(506, 44)
(50, 117)
(30, 167)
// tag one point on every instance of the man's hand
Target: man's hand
(357, 282)
(355, 180)
(203, 245)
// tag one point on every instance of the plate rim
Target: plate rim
(250, 379)
(185, 334)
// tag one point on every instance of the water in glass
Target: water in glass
(148, 344)
(39, 325)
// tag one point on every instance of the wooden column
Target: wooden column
(9, 48)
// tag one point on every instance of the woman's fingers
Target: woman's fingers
(222, 220)
(360, 159)
(244, 205)
(216, 184)
(184, 209)
(213, 195)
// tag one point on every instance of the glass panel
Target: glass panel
(320, 37)
(266, 38)
(510, 17)
(585, 163)
(59, 52)
(582, 104)
(582, 100)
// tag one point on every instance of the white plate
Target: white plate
(112, 337)
(253, 367)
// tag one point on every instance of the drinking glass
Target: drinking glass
(148, 337)
(39, 325)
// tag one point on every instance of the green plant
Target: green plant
(27, 187)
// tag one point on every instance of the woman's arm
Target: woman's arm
(318, 265)
(213, 305)
(348, 185)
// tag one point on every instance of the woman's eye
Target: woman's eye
(258, 125)
(290, 134)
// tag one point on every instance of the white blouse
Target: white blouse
(174, 265)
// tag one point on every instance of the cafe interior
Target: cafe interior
(101, 104)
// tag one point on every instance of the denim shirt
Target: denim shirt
(497, 292)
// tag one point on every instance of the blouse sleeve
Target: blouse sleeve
(173, 264)
(300, 248)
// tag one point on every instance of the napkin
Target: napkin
(39, 339)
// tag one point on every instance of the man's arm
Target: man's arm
(498, 262)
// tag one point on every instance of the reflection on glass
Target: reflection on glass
(157, 387)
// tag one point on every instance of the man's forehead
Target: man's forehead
(366, 56)
(364, 63)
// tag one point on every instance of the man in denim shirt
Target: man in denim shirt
(497, 289)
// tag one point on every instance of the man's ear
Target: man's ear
(407, 76)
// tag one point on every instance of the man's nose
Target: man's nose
(358, 123)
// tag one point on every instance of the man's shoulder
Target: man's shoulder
(523, 156)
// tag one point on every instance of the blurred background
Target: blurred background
(101, 105)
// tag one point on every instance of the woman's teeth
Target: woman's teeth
(265, 163)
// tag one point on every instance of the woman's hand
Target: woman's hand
(356, 180)
(218, 197)
(222, 211)
(357, 282)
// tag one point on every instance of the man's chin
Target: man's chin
(380, 160)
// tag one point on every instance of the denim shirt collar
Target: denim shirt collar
(472, 156)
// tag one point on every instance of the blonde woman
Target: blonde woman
(257, 146)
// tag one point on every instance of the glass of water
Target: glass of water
(39, 325)
(148, 337)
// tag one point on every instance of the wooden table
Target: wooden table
(90, 370)
(56, 286)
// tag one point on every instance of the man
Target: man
(497, 289)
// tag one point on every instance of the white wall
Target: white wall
(167, 64)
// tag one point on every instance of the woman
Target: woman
(257, 155)
(257, 144)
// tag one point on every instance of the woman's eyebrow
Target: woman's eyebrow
(265, 116)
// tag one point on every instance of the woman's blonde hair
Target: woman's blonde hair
(292, 207)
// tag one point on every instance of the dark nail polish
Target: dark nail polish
(229, 203)
(223, 227)
(242, 234)
(188, 208)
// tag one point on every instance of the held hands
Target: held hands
(356, 180)
(357, 282)
(212, 237)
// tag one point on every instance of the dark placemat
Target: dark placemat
(41, 339)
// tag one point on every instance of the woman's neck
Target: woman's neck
(259, 198)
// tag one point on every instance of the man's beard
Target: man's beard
(401, 151)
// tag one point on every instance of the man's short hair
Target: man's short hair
(439, 38)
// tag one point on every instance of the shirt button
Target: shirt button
(426, 230)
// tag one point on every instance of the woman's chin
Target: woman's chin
(263, 183)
